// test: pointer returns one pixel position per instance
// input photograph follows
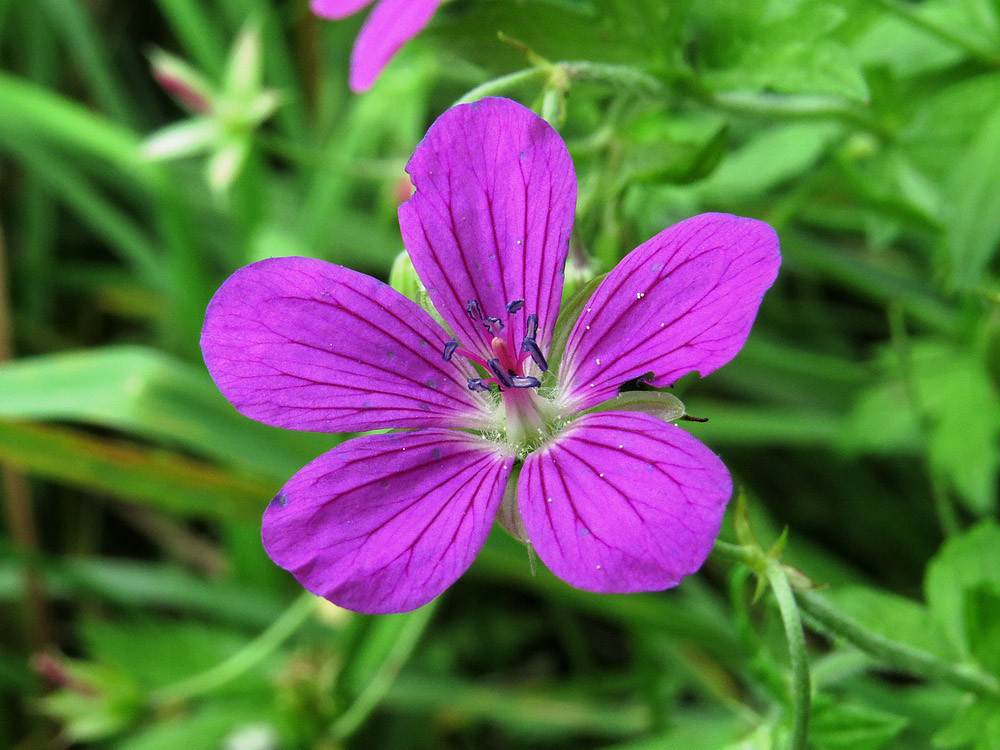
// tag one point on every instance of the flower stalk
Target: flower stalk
(899, 656)
(792, 620)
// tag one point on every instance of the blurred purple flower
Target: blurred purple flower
(389, 26)
(612, 501)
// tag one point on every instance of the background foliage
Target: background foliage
(139, 611)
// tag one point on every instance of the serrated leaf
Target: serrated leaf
(964, 564)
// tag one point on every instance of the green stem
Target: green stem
(243, 660)
(620, 77)
(502, 84)
(891, 653)
(794, 106)
(377, 688)
(897, 655)
(801, 690)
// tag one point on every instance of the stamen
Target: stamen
(472, 308)
(477, 384)
(449, 350)
(531, 327)
(502, 376)
(513, 307)
(528, 382)
(528, 345)
(493, 325)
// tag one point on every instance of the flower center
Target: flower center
(506, 367)
(525, 420)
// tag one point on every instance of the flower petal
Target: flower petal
(307, 345)
(491, 217)
(384, 523)
(680, 302)
(389, 27)
(623, 502)
(336, 10)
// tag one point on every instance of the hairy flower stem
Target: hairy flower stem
(897, 655)
(618, 77)
(893, 654)
(801, 689)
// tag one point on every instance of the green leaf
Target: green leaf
(220, 724)
(972, 205)
(903, 48)
(948, 120)
(771, 158)
(838, 725)
(34, 110)
(951, 390)
(164, 480)
(100, 701)
(982, 626)
(152, 395)
(131, 585)
(965, 564)
(881, 421)
(789, 48)
(976, 724)
(154, 653)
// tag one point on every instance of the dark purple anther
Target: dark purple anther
(477, 384)
(529, 382)
(531, 327)
(449, 349)
(472, 307)
(493, 325)
(528, 345)
(502, 375)
(513, 307)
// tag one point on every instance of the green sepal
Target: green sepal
(665, 406)
(403, 277)
(567, 319)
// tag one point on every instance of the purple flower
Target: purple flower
(612, 501)
(391, 25)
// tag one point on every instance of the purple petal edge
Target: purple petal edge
(491, 218)
(308, 345)
(385, 523)
(391, 24)
(337, 10)
(683, 301)
(623, 502)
